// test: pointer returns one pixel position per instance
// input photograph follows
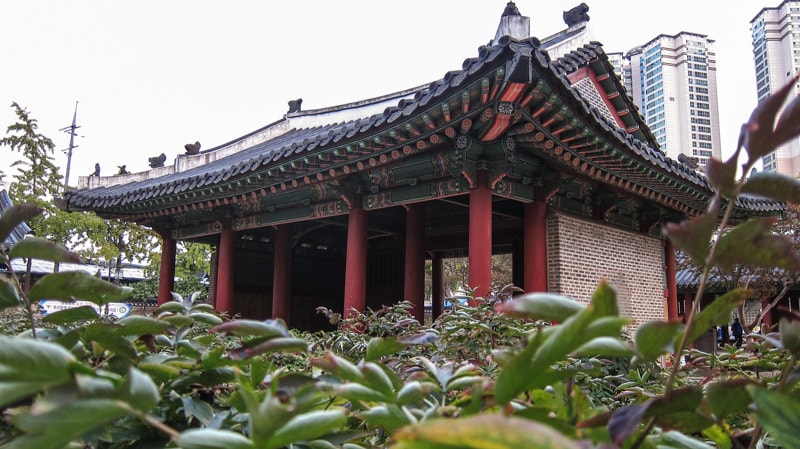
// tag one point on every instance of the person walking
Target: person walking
(737, 331)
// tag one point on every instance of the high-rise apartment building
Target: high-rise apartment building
(673, 81)
(776, 53)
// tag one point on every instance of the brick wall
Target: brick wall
(581, 252)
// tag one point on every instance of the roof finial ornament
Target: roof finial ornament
(192, 148)
(157, 161)
(511, 10)
(576, 15)
(294, 105)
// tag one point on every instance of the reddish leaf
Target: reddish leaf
(758, 133)
(728, 397)
(694, 235)
(754, 243)
(678, 409)
(723, 175)
(788, 125)
(774, 185)
(624, 421)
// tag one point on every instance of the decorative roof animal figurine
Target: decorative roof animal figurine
(576, 15)
(192, 148)
(157, 161)
(96, 170)
(294, 105)
(122, 170)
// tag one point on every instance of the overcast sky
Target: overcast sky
(151, 76)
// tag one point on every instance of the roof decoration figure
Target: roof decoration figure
(192, 148)
(157, 161)
(294, 105)
(576, 15)
(511, 10)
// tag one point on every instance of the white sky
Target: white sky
(152, 76)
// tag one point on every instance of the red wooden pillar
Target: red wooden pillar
(672, 285)
(480, 235)
(282, 274)
(414, 280)
(166, 275)
(225, 270)
(355, 278)
(437, 285)
(535, 242)
(766, 322)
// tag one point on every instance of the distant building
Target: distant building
(674, 84)
(776, 54)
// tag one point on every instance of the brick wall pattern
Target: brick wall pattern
(581, 252)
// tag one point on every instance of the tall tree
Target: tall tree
(117, 241)
(37, 180)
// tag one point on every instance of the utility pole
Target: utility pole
(71, 131)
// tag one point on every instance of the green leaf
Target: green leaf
(199, 409)
(54, 427)
(270, 345)
(70, 285)
(677, 440)
(515, 375)
(269, 328)
(728, 397)
(541, 306)
(773, 185)
(481, 432)
(139, 390)
(375, 377)
(778, 413)
(790, 335)
(206, 318)
(16, 215)
(381, 347)
(9, 296)
(29, 366)
(678, 409)
(82, 313)
(716, 314)
(172, 307)
(719, 436)
(754, 243)
(357, 392)
(213, 439)
(141, 325)
(307, 426)
(388, 416)
(603, 346)
(42, 249)
(655, 338)
(694, 235)
(604, 300)
(339, 367)
(106, 336)
(566, 338)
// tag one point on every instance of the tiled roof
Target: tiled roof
(521, 58)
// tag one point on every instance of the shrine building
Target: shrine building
(516, 152)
